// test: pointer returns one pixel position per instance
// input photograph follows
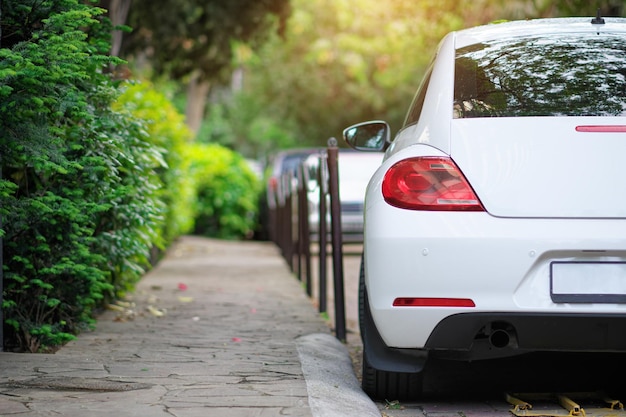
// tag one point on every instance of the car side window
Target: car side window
(418, 102)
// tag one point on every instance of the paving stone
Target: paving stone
(225, 344)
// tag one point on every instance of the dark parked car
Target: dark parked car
(281, 165)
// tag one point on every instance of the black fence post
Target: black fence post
(272, 225)
(276, 225)
(304, 238)
(290, 239)
(281, 222)
(336, 238)
(322, 179)
(298, 231)
(305, 229)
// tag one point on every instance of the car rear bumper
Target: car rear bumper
(485, 335)
(502, 265)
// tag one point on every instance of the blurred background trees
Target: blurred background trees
(191, 41)
(333, 63)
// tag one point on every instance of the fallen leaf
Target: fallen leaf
(125, 304)
(156, 312)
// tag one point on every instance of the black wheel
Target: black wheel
(380, 384)
(383, 385)
(361, 298)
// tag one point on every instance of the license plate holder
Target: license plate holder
(588, 282)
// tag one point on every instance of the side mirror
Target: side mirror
(368, 136)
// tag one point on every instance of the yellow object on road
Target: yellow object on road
(565, 404)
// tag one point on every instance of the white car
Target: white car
(496, 225)
(354, 172)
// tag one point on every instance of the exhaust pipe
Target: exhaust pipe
(500, 338)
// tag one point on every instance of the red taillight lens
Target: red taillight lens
(429, 183)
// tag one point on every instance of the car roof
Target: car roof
(289, 159)
(525, 28)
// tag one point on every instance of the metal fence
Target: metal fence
(291, 230)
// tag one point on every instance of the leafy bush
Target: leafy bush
(129, 228)
(227, 192)
(166, 130)
(78, 194)
(92, 180)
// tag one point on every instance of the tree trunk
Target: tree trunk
(197, 93)
(118, 11)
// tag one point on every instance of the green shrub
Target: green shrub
(87, 188)
(166, 130)
(78, 194)
(227, 192)
(127, 231)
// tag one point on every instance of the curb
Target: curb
(331, 384)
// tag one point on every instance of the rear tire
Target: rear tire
(379, 384)
(384, 385)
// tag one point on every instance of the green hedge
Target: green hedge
(96, 174)
(208, 189)
(79, 191)
(227, 192)
(166, 130)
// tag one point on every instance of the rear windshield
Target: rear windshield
(542, 76)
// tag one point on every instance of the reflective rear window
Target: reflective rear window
(564, 75)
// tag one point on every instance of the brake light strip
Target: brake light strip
(602, 128)
(432, 302)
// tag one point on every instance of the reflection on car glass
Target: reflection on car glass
(542, 76)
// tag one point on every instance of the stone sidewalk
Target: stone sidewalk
(219, 328)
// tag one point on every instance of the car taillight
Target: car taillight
(429, 183)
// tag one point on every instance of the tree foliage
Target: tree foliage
(244, 124)
(193, 41)
(337, 66)
(561, 8)
(334, 63)
(342, 62)
(184, 36)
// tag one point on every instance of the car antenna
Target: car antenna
(598, 20)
